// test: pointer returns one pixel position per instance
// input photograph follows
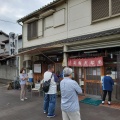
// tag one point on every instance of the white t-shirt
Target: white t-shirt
(53, 85)
(30, 75)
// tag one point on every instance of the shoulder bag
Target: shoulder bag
(46, 85)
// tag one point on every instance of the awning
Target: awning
(93, 46)
(38, 50)
(7, 57)
(32, 51)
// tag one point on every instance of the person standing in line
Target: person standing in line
(69, 96)
(30, 80)
(62, 74)
(50, 96)
(30, 76)
(107, 85)
(23, 79)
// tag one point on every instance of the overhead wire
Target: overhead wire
(8, 21)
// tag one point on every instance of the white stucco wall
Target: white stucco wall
(77, 22)
(3, 37)
(80, 19)
(49, 35)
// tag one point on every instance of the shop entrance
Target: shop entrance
(89, 79)
(118, 78)
(92, 81)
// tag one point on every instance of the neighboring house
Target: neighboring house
(3, 37)
(8, 64)
(83, 34)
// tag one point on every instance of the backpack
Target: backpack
(46, 85)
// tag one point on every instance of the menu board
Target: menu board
(37, 68)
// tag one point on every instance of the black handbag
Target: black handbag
(46, 85)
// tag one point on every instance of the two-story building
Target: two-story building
(83, 34)
(8, 64)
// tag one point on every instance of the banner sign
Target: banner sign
(88, 62)
(13, 44)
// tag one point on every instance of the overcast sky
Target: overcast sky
(12, 10)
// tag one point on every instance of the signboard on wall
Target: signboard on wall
(37, 68)
(13, 43)
(87, 62)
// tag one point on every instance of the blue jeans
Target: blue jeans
(49, 103)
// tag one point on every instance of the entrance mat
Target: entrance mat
(91, 101)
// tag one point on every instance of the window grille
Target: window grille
(115, 7)
(100, 9)
(32, 30)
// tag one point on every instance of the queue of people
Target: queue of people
(69, 95)
(69, 92)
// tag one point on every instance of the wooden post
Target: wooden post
(65, 55)
(102, 74)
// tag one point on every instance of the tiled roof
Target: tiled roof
(36, 11)
(4, 33)
(78, 38)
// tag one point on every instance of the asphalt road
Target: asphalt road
(11, 108)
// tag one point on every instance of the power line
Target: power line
(8, 21)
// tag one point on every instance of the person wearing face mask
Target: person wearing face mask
(23, 79)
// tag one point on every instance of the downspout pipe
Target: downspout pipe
(19, 23)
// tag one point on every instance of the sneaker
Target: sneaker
(45, 112)
(51, 116)
(109, 103)
(22, 99)
(26, 98)
(103, 102)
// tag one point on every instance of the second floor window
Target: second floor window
(102, 9)
(32, 30)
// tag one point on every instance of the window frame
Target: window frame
(32, 37)
(110, 13)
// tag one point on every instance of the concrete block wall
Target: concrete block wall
(7, 73)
